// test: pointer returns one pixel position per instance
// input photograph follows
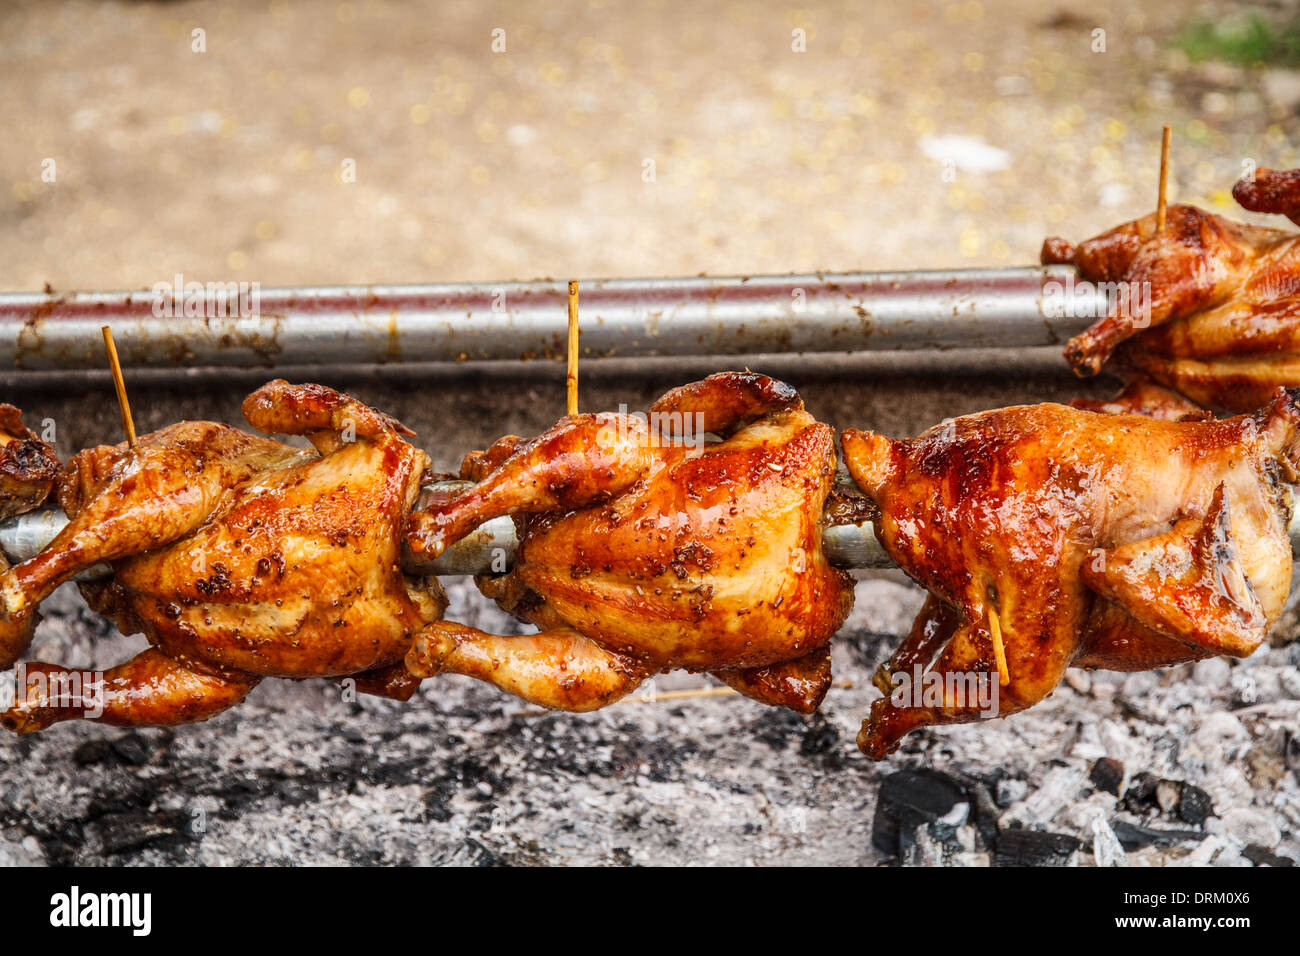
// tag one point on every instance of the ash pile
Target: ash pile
(1198, 764)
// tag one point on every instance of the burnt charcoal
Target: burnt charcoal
(1291, 753)
(1168, 793)
(822, 736)
(777, 727)
(1140, 797)
(136, 829)
(1107, 774)
(909, 799)
(1133, 837)
(984, 809)
(131, 749)
(1175, 798)
(1262, 856)
(92, 752)
(436, 806)
(1194, 805)
(1034, 848)
(471, 853)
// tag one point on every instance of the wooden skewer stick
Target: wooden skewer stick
(1164, 179)
(573, 348)
(120, 385)
(999, 650)
(690, 694)
(698, 692)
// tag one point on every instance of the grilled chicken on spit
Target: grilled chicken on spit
(643, 551)
(1209, 307)
(238, 557)
(1051, 537)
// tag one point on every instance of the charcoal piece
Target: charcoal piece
(908, 799)
(1107, 774)
(1262, 856)
(1018, 847)
(1141, 794)
(1194, 805)
(1134, 837)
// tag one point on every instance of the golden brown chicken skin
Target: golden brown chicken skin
(642, 553)
(239, 558)
(1223, 327)
(1201, 261)
(1049, 536)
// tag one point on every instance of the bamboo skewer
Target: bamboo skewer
(572, 380)
(1164, 179)
(128, 424)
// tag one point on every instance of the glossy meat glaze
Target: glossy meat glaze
(1211, 308)
(689, 538)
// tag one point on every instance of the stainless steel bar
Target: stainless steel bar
(217, 326)
(491, 547)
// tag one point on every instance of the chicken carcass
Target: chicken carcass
(238, 557)
(1050, 537)
(644, 548)
(1209, 308)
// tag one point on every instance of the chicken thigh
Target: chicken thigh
(238, 557)
(645, 548)
(1050, 536)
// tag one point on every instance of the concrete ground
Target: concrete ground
(906, 135)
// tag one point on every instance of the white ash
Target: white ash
(465, 775)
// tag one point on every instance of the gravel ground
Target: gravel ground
(472, 165)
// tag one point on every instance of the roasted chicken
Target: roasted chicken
(1051, 537)
(645, 548)
(1209, 308)
(238, 557)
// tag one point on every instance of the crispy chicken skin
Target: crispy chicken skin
(640, 553)
(1050, 536)
(1271, 190)
(1224, 323)
(238, 557)
(28, 465)
(1201, 261)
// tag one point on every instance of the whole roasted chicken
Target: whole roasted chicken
(688, 538)
(1050, 537)
(1208, 307)
(239, 557)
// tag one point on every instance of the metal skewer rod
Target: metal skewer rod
(490, 547)
(219, 326)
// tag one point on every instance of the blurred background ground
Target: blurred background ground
(906, 135)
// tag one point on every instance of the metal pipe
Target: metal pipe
(491, 547)
(219, 326)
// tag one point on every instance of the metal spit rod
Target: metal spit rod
(491, 546)
(169, 327)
